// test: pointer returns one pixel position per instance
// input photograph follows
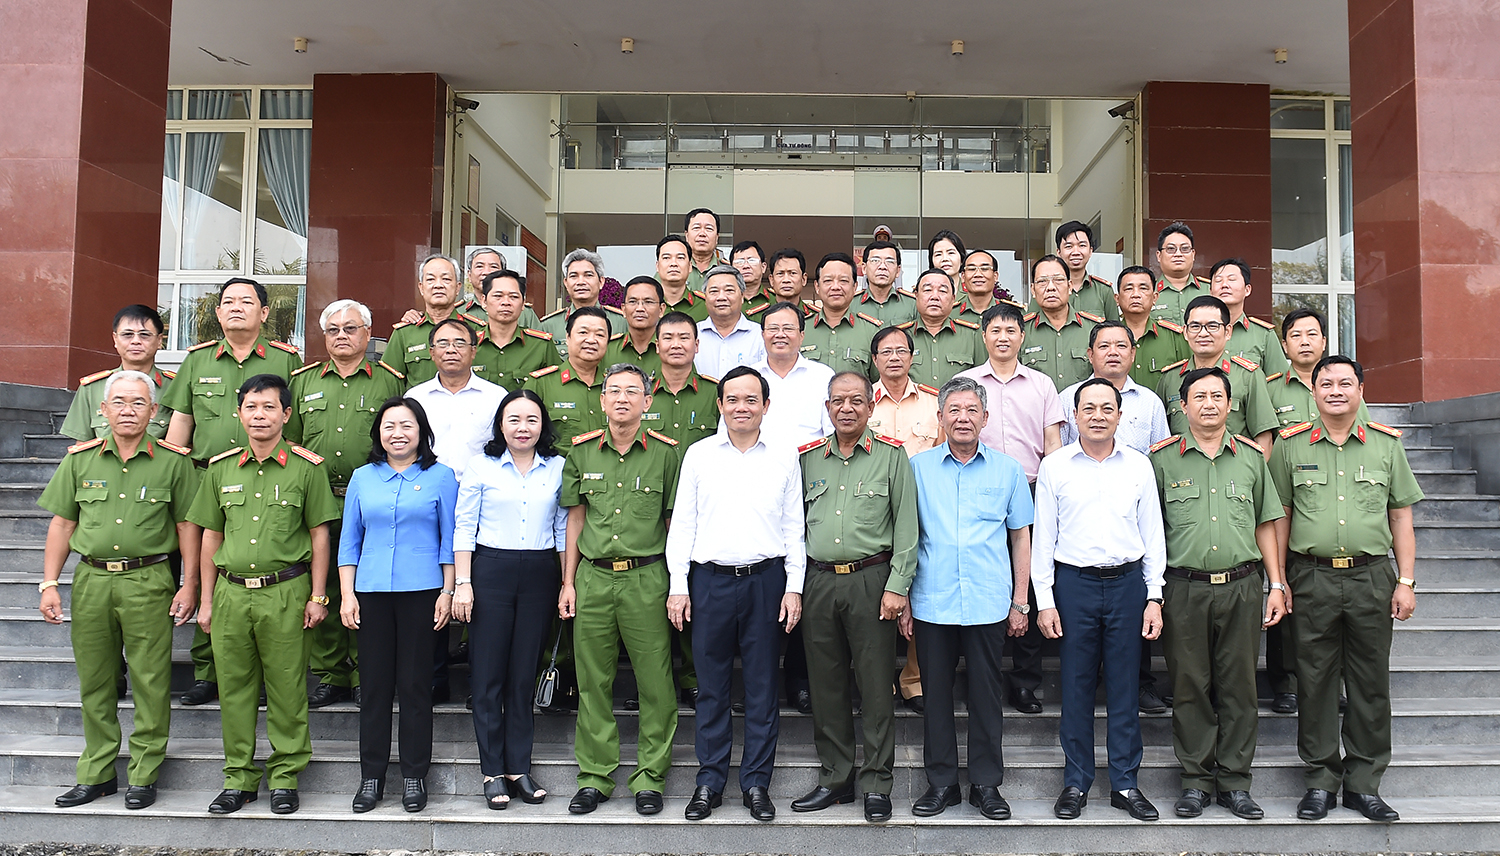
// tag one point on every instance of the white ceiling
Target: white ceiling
(1059, 48)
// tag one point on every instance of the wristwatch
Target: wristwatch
(1408, 582)
(43, 586)
(1155, 600)
(1023, 608)
(1281, 587)
(319, 599)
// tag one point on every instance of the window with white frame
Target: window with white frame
(1312, 223)
(234, 203)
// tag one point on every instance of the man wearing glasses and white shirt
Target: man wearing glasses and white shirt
(799, 385)
(460, 405)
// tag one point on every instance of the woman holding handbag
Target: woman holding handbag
(509, 533)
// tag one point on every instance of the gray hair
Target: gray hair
(457, 272)
(869, 387)
(582, 255)
(129, 375)
(627, 368)
(339, 306)
(479, 251)
(963, 384)
(724, 270)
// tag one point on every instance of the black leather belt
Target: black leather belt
(281, 576)
(122, 564)
(1104, 572)
(850, 567)
(200, 464)
(741, 570)
(1216, 577)
(1339, 561)
(626, 564)
(340, 491)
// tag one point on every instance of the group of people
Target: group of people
(721, 469)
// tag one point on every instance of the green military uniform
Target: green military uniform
(1171, 304)
(627, 498)
(1211, 627)
(687, 415)
(697, 277)
(693, 304)
(843, 347)
(509, 365)
(556, 325)
(1160, 346)
(757, 303)
(572, 404)
(965, 310)
(1256, 341)
(621, 350)
(125, 509)
(1250, 411)
(333, 415)
(471, 307)
(85, 419)
(1061, 354)
(209, 392)
(1339, 497)
(407, 350)
(858, 508)
(1096, 297)
(898, 309)
(265, 510)
(1293, 400)
(936, 358)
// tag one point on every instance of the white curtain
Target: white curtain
(203, 153)
(285, 156)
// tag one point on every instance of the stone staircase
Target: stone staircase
(1444, 778)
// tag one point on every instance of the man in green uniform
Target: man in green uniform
(861, 557)
(137, 336)
(1218, 508)
(335, 402)
(1250, 413)
(942, 345)
(980, 277)
(643, 306)
(1158, 342)
(1057, 338)
(1250, 337)
(570, 392)
(407, 350)
(701, 228)
(265, 511)
(836, 336)
(750, 260)
(583, 280)
(882, 299)
(508, 351)
(789, 278)
(1304, 337)
(1177, 286)
(1087, 293)
(120, 502)
(618, 485)
(673, 264)
(205, 416)
(1348, 491)
(482, 262)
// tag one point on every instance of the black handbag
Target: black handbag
(546, 687)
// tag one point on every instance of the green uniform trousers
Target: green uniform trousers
(841, 626)
(1343, 629)
(1211, 636)
(258, 637)
(629, 607)
(111, 609)
(203, 658)
(335, 651)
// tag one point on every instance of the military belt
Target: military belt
(850, 567)
(340, 490)
(1217, 578)
(281, 576)
(626, 564)
(123, 564)
(1339, 561)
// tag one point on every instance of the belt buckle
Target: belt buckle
(1219, 578)
(620, 565)
(1342, 562)
(114, 566)
(254, 582)
(743, 570)
(847, 568)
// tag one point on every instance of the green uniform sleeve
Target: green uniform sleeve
(1260, 413)
(1111, 308)
(1404, 490)
(1275, 357)
(904, 539)
(319, 505)
(570, 494)
(206, 511)
(1281, 470)
(184, 489)
(292, 433)
(61, 494)
(1267, 497)
(674, 468)
(178, 395)
(79, 422)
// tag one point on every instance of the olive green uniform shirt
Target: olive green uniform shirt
(556, 324)
(266, 509)
(1250, 411)
(1171, 304)
(861, 505)
(1293, 400)
(471, 307)
(1160, 346)
(333, 414)
(572, 404)
(692, 304)
(85, 419)
(1256, 341)
(1211, 506)
(1096, 297)
(627, 497)
(407, 349)
(935, 359)
(757, 303)
(1060, 354)
(843, 347)
(965, 310)
(510, 364)
(621, 350)
(687, 415)
(125, 509)
(207, 388)
(900, 308)
(1340, 494)
(697, 277)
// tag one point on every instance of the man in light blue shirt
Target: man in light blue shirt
(969, 594)
(727, 338)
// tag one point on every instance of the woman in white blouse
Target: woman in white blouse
(510, 532)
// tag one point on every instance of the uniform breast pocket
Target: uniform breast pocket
(989, 503)
(814, 501)
(90, 506)
(1181, 506)
(1310, 491)
(314, 415)
(1034, 356)
(233, 507)
(1241, 509)
(208, 401)
(1081, 356)
(1371, 490)
(874, 503)
(286, 512)
(645, 500)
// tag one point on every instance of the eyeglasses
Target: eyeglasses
(642, 301)
(451, 345)
(347, 330)
(1177, 249)
(624, 391)
(979, 268)
(1202, 327)
(137, 335)
(786, 330)
(1054, 280)
(130, 404)
(893, 352)
(882, 263)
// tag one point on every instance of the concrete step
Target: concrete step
(24, 526)
(24, 626)
(1453, 535)
(32, 470)
(1414, 435)
(19, 591)
(462, 824)
(1459, 637)
(1458, 567)
(1389, 414)
(19, 497)
(1449, 481)
(47, 445)
(1460, 601)
(1437, 675)
(1473, 508)
(1430, 457)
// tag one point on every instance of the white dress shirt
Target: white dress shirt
(463, 421)
(1143, 419)
(797, 415)
(737, 508)
(1096, 514)
(744, 346)
(501, 508)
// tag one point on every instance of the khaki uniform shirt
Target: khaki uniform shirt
(333, 414)
(509, 365)
(572, 404)
(911, 418)
(1211, 506)
(843, 347)
(124, 509)
(1096, 297)
(898, 309)
(696, 277)
(1171, 304)
(627, 497)
(1256, 341)
(207, 388)
(1160, 346)
(861, 505)
(85, 419)
(935, 359)
(1060, 354)
(756, 304)
(1250, 411)
(407, 350)
(687, 415)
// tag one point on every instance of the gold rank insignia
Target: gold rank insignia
(1386, 429)
(1162, 444)
(584, 438)
(307, 454)
(1293, 430)
(88, 444)
(662, 437)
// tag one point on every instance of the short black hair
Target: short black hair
(1338, 360)
(263, 382)
(951, 237)
(982, 252)
(1132, 270)
(789, 253)
(139, 312)
(587, 312)
(488, 281)
(1297, 315)
(670, 239)
(546, 441)
(677, 317)
(1176, 227)
(661, 293)
(952, 286)
(260, 290)
(1243, 265)
(879, 245)
(1110, 325)
(1073, 227)
(834, 257)
(1205, 300)
(688, 217)
(426, 457)
(745, 371)
(781, 306)
(1054, 258)
(454, 321)
(747, 245)
(1196, 375)
(1002, 309)
(1097, 381)
(886, 332)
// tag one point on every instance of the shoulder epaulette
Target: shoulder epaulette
(907, 293)
(1170, 325)
(202, 345)
(398, 325)
(584, 438)
(1029, 317)
(88, 379)
(1294, 430)
(538, 334)
(481, 320)
(808, 447)
(85, 445)
(290, 349)
(1266, 324)
(1251, 443)
(889, 441)
(1176, 365)
(1248, 365)
(399, 376)
(711, 379)
(1162, 444)
(908, 325)
(875, 321)
(699, 294)
(1097, 319)
(617, 337)
(662, 437)
(1101, 280)
(757, 310)
(550, 314)
(1394, 432)
(173, 447)
(306, 368)
(1270, 378)
(307, 454)
(614, 309)
(543, 372)
(964, 323)
(168, 375)
(927, 389)
(1020, 306)
(222, 455)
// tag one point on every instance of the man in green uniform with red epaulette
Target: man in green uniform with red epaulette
(1178, 286)
(1087, 293)
(1207, 328)
(1057, 337)
(836, 336)
(137, 334)
(942, 345)
(407, 349)
(508, 351)
(1250, 337)
(1158, 342)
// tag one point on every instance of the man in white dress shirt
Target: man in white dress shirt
(460, 405)
(1143, 419)
(736, 557)
(727, 339)
(799, 385)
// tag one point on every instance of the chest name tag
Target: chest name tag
(650, 415)
(421, 347)
(1032, 350)
(1307, 468)
(232, 488)
(806, 348)
(564, 405)
(817, 484)
(99, 483)
(210, 380)
(593, 476)
(1183, 483)
(314, 397)
(1285, 409)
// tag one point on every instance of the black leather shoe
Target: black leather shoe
(140, 796)
(202, 692)
(937, 800)
(820, 798)
(987, 799)
(1192, 802)
(1240, 803)
(703, 803)
(284, 800)
(1135, 802)
(469, 702)
(461, 655)
(877, 807)
(355, 695)
(916, 704)
(803, 701)
(371, 792)
(122, 688)
(325, 694)
(1025, 700)
(1284, 703)
(1070, 803)
(633, 703)
(690, 698)
(758, 800)
(1151, 701)
(648, 802)
(586, 800)
(414, 797)
(1371, 806)
(230, 801)
(83, 794)
(1315, 804)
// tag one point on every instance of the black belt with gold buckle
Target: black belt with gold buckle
(1217, 578)
(123, 564)
(850, 567)
(340, 491)
(288, 573)
(1340, 561)
(626, 564)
